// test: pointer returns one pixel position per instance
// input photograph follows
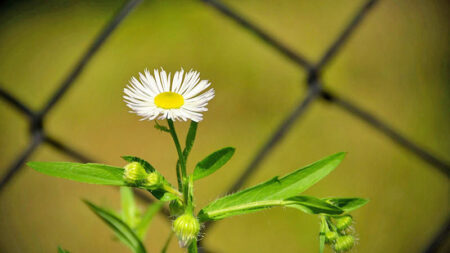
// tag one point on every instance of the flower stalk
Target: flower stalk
(173, 133)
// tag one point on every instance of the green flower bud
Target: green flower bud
(331, 236)
(344, 243)
(186, 227)
(343, 222)
(135, 173)
(154, 180)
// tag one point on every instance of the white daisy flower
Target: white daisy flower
(159, 97)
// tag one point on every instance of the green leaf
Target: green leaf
(61, 250)
(347, 204)
(147, 166)
(213, 162)
(312, 205)
(190, 138)
(167, 196)
(272, 192)
(128, 206)
(90, 173)
(142, 227)
(120, 228)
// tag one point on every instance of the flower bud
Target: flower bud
(135, 173)
(344, 243)
(153, 180)
(343, 222)
(186, 227)
(331, 236)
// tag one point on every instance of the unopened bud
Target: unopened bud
(154, 180)
(135, 173)
(331, 236)
(343, 222)
(186, 227)
(344, 243)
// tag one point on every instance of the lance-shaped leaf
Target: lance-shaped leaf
(276, 189)
(128, 206)
(120, 228)
(90, 173)
(312, 205)
(307, 204)
(347, 204)
(190, 139)
(213, 162)
(147, 217)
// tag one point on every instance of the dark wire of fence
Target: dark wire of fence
(93, 48)
(38, 135)
(440, 243)
(37, 118)
(315, 90)
(313, 76)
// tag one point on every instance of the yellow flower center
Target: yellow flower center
(169, 100)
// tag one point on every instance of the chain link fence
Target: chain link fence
(316, 91)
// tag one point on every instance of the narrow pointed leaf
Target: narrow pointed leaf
(143, 225)
(190, 138)
(213, 162)
(312, 205)
(347, 204)
(268, 193)
(128, 206)
(90, 173)
(120, 228)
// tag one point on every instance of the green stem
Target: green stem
(166, 245)
(167, 188)
(177, 145)
(193, 247)
(180, 185)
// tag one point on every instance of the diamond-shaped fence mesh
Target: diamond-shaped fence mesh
(316, 91)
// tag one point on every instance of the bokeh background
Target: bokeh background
(395, 65)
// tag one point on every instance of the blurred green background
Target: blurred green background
(395, 65)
